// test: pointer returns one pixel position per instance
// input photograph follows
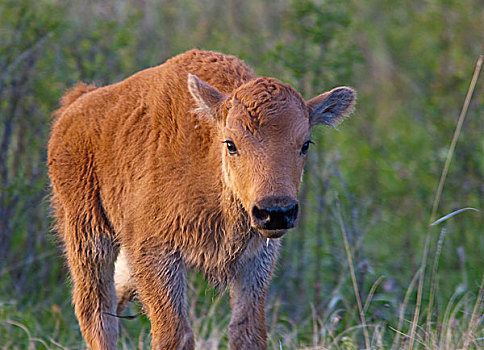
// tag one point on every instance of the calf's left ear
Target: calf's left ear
(206, 97)
(332, 107)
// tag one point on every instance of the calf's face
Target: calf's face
(265, 131)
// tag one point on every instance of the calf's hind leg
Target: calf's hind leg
(91, 253)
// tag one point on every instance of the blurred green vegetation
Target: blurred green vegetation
(411, 63)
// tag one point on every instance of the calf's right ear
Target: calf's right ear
(332, 107)
(205, 95)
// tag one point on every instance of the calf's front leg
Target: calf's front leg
(247, 329)
(161, 280)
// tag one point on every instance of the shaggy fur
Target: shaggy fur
(143, 167)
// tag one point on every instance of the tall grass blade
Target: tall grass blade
(462, 115)
(372, 291)
(353, 279)
(448, 216)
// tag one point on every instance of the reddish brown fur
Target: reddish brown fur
(141, 165)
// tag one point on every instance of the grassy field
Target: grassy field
(450, 324)
(365, 268)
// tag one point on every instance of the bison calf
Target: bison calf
(195, 163)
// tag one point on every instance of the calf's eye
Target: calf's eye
(305, 147)
(231, 147)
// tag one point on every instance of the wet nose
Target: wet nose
(275, 213)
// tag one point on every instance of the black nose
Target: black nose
(275, 214)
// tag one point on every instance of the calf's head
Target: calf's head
(264, 127)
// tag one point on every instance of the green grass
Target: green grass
(52, 325)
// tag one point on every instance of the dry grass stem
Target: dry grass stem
(372, 291)
(476, 315)
(421, 280)
(353, 279)
(462, 115)
(402, 310)
(433, 288)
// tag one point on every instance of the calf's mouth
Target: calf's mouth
(272, 233)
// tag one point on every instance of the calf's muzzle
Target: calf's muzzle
(274, 213)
